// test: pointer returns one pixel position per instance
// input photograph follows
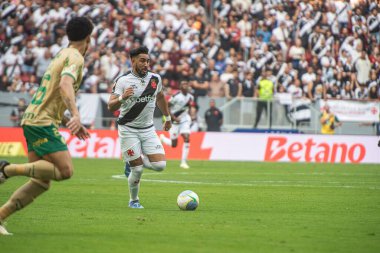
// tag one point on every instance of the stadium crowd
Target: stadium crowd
(314, 49)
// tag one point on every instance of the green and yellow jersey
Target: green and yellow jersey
(47, 106)
(329, 126)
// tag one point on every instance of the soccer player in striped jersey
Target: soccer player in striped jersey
(136, 94)
(49, 158)
(179, 105)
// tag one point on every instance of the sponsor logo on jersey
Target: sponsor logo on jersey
(39, 142)
(149, 98)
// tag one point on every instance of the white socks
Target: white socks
(185, 151)
(134, 182)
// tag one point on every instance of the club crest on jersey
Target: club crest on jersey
(130, 152)
(153, 84)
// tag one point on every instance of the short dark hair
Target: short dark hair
(79, 28)
(140, 50)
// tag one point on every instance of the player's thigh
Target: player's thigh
(130, 146)
(184, 128)
(152, 147)
(156, 157)
(62, 160)
(174, 131)
(33, 157)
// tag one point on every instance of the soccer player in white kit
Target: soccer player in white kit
(179, 105)
(136, 94)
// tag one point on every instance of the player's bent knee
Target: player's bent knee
(66, 172)
(159, 166)
(138, 169)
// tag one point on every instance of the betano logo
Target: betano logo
(279, 148)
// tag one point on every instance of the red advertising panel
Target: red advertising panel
(222, 146)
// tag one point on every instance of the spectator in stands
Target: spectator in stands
(363, 68)
(308, 79)
(213, 118)
(264, 91)
(248, 36)
(233, 87)
(28, 59)
(41, 64)
(248, 88)
(347, 92)
(281, 34)
(361, 91)
(216, 87)
(296, 53)
(199, 84)
(295, 89)
(18, 112)
(373, 22)
(12, 62)
(329, 122)
(372, 93)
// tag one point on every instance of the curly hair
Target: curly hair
(79, 28)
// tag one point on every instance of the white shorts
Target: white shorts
(135, 142)
(181, 128)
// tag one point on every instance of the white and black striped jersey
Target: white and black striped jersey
(373, 23)
(137, 111)
(180, 104)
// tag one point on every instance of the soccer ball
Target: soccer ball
(188, 200)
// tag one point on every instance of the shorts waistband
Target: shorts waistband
(139, 127)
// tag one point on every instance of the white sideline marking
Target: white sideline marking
(254, 184)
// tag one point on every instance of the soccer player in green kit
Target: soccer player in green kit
(48, 156)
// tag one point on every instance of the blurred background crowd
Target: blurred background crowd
(309, 48)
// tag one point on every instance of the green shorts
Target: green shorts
(44, 139)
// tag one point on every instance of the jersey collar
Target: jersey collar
(133, 73)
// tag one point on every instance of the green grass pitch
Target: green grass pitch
(244, 207)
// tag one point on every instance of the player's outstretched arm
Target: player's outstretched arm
(163, 106)
(68, 97)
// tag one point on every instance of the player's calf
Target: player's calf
(134, 181)
(23, 196)
(127, 169)
(174, 143)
